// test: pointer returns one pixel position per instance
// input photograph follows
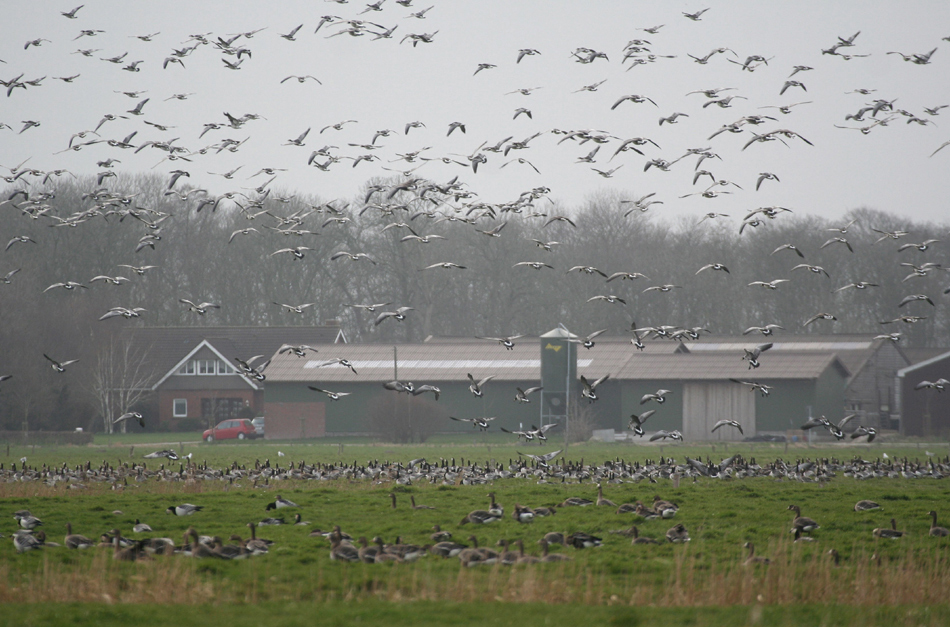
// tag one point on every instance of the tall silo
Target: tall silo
(558, 374)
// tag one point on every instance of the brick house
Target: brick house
(195, 377)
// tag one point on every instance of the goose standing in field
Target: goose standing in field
(601, 501)
(934, 529)
(28, 521)
(865, 505)
(481, 517)
(638, 539)
(257, 545)
(752, 558)
(412, 500)
(802, 523)
(341, 550)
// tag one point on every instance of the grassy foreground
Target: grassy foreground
(437, 614)
(906, 582)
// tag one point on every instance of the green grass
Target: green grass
(699, 583)
(439, 614)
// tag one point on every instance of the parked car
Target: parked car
(231, 429)
(259, 426)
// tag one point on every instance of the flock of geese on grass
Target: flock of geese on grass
(542, 469)
(28, 537)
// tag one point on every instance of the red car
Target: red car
(231, 429)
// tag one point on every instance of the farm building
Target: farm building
(871, 388)
(803, 381)
(925, 412)
(193, 372)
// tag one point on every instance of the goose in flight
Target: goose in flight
(753, 386)
(590, 387)
(297, 309)
(537, 265)
(659, 396)
(916, 297)
(811, 268)
(526, 52)
(767, 330)
(695, 16)
(634, 98)
(370, 308)
(521, 396)
(508, 342)
(68, 285)
(819, 316)
(129, 416)
(201, 308)
(663, 435)
(122, 311)
(542, 460)
(299, 350)
(636, 422)
(334, 396)
(588, 341)
(727, 423)
(607, 298)
(299, 140)
(475, 387)
(301, 79)
(342, 362)
(480, 423)
(59, 366)
(752, 354)
(399, 314)
(351, 256)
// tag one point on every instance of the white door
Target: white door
(705, 404)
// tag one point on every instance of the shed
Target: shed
(925, 412)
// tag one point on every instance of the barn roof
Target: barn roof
(447, 361)
(721, 365)
(167, 346)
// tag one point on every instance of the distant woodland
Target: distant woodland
(225, 252)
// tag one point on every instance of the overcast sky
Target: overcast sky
(384, 83)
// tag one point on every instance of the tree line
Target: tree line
(226, 253)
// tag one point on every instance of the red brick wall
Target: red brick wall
(283, 420)
(166, 401)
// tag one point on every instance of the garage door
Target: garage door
(705, 404)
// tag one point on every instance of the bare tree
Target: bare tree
(120, 380)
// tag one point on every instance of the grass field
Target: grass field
(905, 582)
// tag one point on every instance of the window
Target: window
(206, 366)
(188, 367)
(224, 367)
(221, 408)
(180, 408)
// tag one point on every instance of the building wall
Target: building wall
(166, 399)
(350, 415)
(668, 416)
(707, 402)
(288, 421)
(871, 393)
(925, 412)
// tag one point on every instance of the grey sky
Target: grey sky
(384, 84)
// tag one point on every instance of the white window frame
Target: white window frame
(206, 367)
(225, 368)
(175, 412)
(187, 368)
